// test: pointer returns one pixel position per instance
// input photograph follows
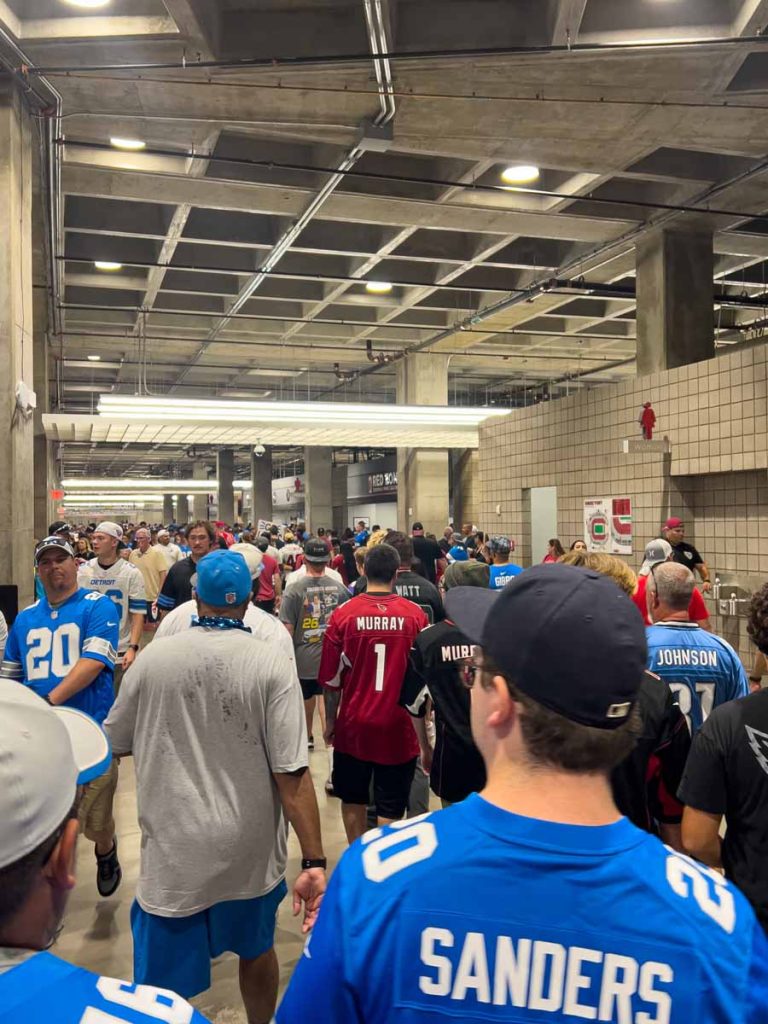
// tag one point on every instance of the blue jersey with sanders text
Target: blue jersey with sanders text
(474, 914)
(702, 670)
(44, 989)
(45, 643)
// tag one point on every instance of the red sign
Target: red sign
(57, 495)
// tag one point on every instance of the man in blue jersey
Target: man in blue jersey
(534, 900)
(702, 669)
(47, 755)
(502, 570)
(64, 648)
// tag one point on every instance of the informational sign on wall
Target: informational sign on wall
(608, 525)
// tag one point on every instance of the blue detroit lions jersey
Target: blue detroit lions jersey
(45, 989)
(702, 670)
(501, 575)
(45, 643)
(474, 914)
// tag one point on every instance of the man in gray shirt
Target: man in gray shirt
(214, 720)
(306, 608)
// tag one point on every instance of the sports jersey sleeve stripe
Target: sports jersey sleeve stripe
(135, 605)
(166, 602)
(11, 670)
(100, 649)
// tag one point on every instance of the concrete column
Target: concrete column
(422, 474)
(675, 299)
(182, 508)
(261, 486)
(167, 509)
(46, 476)
(200, 501)
(339, 497)
(466, 486)
(225, 471)
(16, 342)
(318, 501)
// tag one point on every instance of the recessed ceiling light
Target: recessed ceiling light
(94, 359)
(87, 3)
(520, 174)
(378, 287)
(133, 144)
(107, 265)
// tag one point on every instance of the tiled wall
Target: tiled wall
(715, 415)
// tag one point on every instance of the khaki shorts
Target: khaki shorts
(96, 806)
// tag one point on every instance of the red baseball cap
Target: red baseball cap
(673, 523)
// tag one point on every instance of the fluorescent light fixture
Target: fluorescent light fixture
(94, 359)
(245, 394)
(378, 287)
(520, 174)
(134, 145)
(175, 410)
(276, 373)
(74, 485)
(87, 364)
(107, 265)
(89, 4)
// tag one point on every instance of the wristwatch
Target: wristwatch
(133, 647)
(313, 862)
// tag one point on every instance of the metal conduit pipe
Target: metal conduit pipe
(378, 43)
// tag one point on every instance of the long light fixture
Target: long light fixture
(132, 145)
(100, 485)
(167, 409)
(378, 287)
(88, 4)
(108, 266)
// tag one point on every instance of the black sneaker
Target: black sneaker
(109, 874)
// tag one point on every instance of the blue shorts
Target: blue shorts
(176, 952)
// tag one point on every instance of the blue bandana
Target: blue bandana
(219, 622)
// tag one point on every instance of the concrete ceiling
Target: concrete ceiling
(236, 155)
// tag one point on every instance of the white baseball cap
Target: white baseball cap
(111, 529)
(47, 752)
(253, 557)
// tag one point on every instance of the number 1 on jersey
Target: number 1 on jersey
(380, 651)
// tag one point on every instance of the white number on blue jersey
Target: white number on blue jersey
(708, 887)
(63, 646)
(417, 837)
(155, 1003)
(704, 691)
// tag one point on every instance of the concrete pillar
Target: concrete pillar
(339, 497)
(422, 474)
(261, 487)
(675, 299)
(182, 509)
(466, 486)
(225, 471)
(318, 501)
(200, 501)
(167, 509)
(16, 342)
(46, 476)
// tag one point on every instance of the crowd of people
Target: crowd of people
(588, 737)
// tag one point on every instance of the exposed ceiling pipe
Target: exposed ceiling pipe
(378, 44)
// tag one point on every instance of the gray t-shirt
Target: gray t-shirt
(209, 715)
(307, 606)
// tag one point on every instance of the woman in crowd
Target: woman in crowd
(555, 552)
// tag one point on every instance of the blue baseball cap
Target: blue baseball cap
(567, 637)
(223, 578)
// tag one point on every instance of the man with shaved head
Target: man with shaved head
(701, 668)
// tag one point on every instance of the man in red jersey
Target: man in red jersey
(365, 655)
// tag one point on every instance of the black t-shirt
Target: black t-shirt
(645, 784)
(414, 588)
(727, 773)
(177, 587)
(433, 671)
(428, 552)
(445, 546)
(686, 554)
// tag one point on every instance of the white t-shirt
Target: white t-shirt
(263, 626)
(289, 553)
(124, 584)
(301, 572)
(171, 552)
(209, 715)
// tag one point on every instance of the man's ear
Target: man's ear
(503, 709)
(60, 869)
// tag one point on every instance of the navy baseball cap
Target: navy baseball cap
(567, 637)
(223, 578)
(316, 551)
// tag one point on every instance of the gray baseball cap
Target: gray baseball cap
(656, 552)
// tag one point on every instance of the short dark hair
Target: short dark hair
(203, 524)
(403, 545)
(381, 563)
(556, 741)
(417, 526)
(757, 623)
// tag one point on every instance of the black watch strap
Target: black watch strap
(133, 647)
(313, 862)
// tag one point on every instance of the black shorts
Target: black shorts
(310, 688)
(391, 783)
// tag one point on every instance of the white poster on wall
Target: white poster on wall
(608, 525)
